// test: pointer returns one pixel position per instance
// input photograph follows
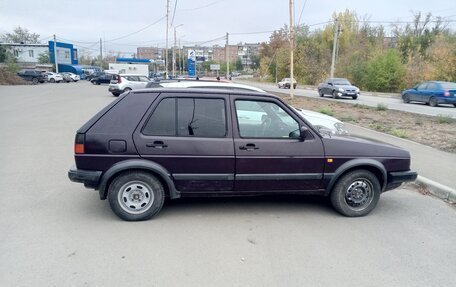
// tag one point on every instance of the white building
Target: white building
(26, 53)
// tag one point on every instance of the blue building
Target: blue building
(67, 57)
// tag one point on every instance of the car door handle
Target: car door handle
(248, 146)
(157, 144)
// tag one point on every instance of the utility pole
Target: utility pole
(101, 55)
(174, 54)
(291, 50)
(180, 57)
(55, 56)
(166, 47)
(227, 57)
(333, 60)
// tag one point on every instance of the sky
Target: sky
(125, 25)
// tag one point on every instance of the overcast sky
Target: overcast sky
(85, 21)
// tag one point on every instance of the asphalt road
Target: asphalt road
(394, 103)
(57, 233)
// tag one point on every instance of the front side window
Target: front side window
(188, 117)
(259, 119)
(422, 87)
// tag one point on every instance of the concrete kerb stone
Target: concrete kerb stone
(439, 190)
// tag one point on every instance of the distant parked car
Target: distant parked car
(286, 83)
(89, 77)
(324, 122)
(101, 79)
(432, 93)
(338, 87)
(73, 77)
(66, 78)
(54, 77)
(126, 82)
(33, 76)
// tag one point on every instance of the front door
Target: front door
(269, 155)
(191, 138)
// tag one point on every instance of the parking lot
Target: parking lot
(56, 233)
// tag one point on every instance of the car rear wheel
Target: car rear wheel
(406, 98)
(356, 193)
(136, 195)
(433, 102)
(52, 80)
(321, 93)
(126, 90)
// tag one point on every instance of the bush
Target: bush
(399, 133)
(444, 119)
(326, 111)
(385, 72)
(382, 107)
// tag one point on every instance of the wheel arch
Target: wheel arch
(139, 165)
(371, 165)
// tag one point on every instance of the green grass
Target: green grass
(381, 107)
(399, 133)
(360, 106)
(326, 111)
(444, 119)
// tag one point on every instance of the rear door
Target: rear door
(268, 157)
(190, 136)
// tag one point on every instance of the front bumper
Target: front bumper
(396, 178)
(90, 178)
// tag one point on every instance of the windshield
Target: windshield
(342, 82)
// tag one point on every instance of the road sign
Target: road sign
(215, 67)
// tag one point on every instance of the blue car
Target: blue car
(432, 93)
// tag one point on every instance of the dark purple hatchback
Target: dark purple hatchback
(152, 144)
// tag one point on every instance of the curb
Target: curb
(438, 190)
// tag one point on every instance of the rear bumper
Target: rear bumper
(116, 90)
(90, 178)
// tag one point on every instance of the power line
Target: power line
(135, 32)
(201, 7)
(174, 13)
(302, 10)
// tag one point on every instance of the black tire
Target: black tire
(52, 80)
(98, 83)
(320, 92)
(406, 98)
(433, 102)
(454, 105)
(35, 81)
(356, 193)
(142, 190)
(93, 82)
(126, 90)
(279, 86)
(334, 94)
(354, 97)
(115, 94)
(294, 86)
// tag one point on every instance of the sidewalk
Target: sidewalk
(436, 169)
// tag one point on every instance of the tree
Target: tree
(20, 35)
(43, 58)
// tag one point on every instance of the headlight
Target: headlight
(357, 90)
(341, 90)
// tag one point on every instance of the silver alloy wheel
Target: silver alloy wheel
(135, 197)
(359, 194)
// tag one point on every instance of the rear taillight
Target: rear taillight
(119, 79)
(79, 144)
(446, 93)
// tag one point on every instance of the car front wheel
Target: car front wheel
(433, 102)
(35, 81)
(406, 98)
(356, 193)
(136, 195)
(335, 96)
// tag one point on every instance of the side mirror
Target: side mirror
(303, 131)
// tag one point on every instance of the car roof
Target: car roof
(205, 91)
(210, 84)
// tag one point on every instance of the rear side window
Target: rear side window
(188, 117)
(163, 119)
